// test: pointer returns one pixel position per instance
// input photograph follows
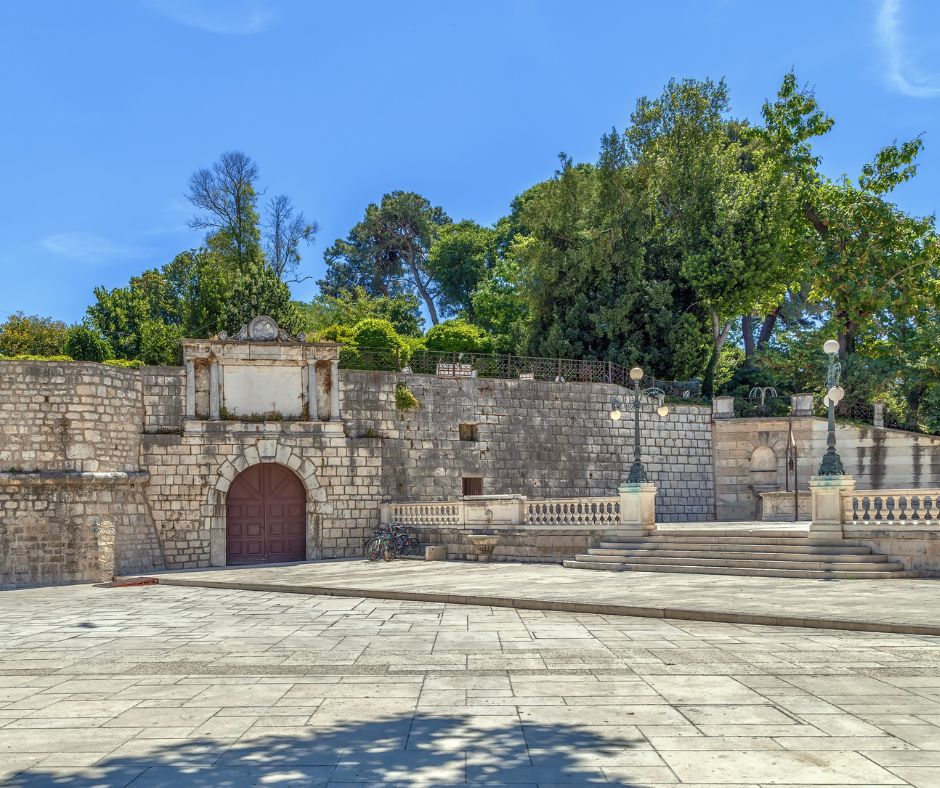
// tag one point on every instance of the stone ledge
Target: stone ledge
(73, 477)
(904, 531)
(531, 603)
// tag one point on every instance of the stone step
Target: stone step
(727, 563)
(721, 532)
(708, 539)
(808, 547)
(716, 570)
(764, 555)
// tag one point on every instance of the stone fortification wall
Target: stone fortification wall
(539, 439)
(69, 416)
(72, 503)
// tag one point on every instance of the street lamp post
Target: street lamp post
(636, 396)
(831, 464)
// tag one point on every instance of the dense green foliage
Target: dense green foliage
(350, 307)
(84, 344)
(458, 336)
(32, 335)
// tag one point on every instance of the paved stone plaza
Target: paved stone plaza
(160, 685)
(906, 605)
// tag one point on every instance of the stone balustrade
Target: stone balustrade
(884, 507)
(595, 512)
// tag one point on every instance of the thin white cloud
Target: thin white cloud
(224, 17)
(901, 74)
(88, 247)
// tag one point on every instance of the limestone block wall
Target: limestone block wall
(72, 504)
(191, 471)
(69, 416)
(163, 395)
(59, 527)
(539, 439)
(878, 458)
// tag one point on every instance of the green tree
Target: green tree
(22, 334)
(386, 253)
(86, 344)
(458, 336)
(722, 204)
(350, 307)
(226, 194)
(462, 256)
(598, 282)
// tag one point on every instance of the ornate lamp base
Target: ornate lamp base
(637, 473)
(831, 464)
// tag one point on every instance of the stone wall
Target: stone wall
(163, 395)
(190, 473)
(75, 416)
(72, 503)
(58, 527)
(878, 458)
(535, 438)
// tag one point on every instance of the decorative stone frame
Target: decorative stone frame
(261, 345)
(265, 450)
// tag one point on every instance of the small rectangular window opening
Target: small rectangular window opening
(473, 485)
(469, 432)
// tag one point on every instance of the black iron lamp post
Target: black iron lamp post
(636, 396)
(831, 464)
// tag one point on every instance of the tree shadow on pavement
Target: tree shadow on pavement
(425, 749)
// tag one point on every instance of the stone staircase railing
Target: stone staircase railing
(632, 508)
(891, 506)
(573, 511)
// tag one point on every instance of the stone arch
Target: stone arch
(764, 460)
(263, 450)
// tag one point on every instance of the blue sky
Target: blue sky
(109, 105)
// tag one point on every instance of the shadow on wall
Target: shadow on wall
(405, 750)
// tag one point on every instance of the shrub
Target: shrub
(126, 363)
(336, 333)
(32, 357)
(459, 336)
(85, 344)
(376, 332)
(405, 399)
(374, 344)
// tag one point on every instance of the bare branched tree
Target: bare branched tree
(285, 229)
(226, 194)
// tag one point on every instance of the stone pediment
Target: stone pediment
(261, 329)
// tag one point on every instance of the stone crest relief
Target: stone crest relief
(262, 329)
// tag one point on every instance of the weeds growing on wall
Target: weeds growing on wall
(405, 400)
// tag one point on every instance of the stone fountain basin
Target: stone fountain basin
(483, 541)
(484, 544)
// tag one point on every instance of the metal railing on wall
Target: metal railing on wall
(509, 367)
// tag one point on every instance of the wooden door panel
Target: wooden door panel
(266, 516)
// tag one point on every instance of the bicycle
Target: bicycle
(391, 541)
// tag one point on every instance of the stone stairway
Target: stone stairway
(758, 553)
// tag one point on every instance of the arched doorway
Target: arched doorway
(265, 516)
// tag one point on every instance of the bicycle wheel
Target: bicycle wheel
(388, 551)
(374, 549)
(413, 547)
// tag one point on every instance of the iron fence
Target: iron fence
(758, 407)
(509, 367)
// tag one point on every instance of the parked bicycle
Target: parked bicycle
(391, 541)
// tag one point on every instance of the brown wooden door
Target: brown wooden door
(266, 516)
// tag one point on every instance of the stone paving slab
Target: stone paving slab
(175, 686)
(909, 606)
